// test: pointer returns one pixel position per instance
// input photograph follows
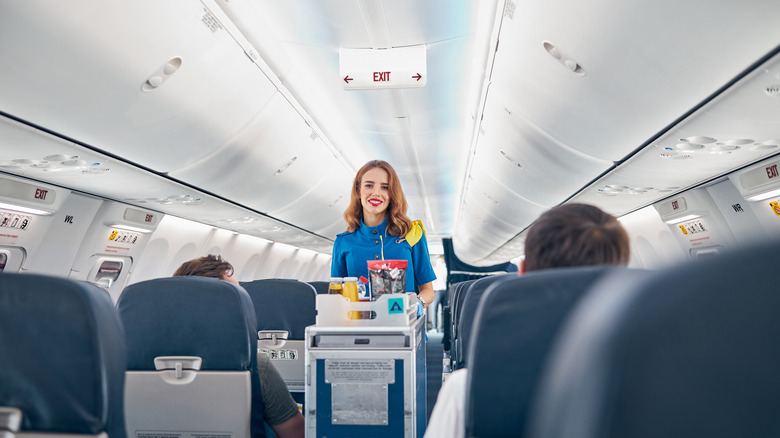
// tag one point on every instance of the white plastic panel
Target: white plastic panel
(738, 213)
(528, 161)
(103, 52)
(767, 211)
(740, 127)
(63, 236)
(493, 214)
(11, 258)
(644, 65)
(200, 403)
(706, 231)
(271, 165)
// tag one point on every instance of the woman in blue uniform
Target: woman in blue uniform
(378, 228)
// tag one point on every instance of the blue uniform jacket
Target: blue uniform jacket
(351, 252)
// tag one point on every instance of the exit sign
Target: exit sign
(363, 69)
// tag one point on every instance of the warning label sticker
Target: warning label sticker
(775, 207)
(359, 371)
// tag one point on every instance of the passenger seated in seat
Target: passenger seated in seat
(280, 411)
(564, 236)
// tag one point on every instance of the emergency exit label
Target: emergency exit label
(403, 67)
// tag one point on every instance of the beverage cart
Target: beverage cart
(366, 377)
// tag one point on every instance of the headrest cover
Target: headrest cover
(283, 304)
(62, 355)
(188, 316)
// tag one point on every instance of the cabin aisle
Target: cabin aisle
(434, 354)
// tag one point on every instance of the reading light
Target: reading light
(765, 195)
(129, 228)
(28, 210)
(682, 219)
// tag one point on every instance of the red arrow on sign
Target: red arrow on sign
(347, 79)
(417, 76)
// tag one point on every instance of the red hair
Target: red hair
(398, 224)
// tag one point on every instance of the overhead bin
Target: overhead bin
(276, 165)
(105, 56)
(628, 89)
(528, 161)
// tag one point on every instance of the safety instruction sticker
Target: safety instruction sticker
(775, 207)
(692, 227)
(359, 371)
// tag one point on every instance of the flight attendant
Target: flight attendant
(378, 228)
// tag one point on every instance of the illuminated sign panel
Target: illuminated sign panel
(364, 69)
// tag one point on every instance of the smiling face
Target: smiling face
(374, 196)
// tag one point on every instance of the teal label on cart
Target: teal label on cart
(396, 305)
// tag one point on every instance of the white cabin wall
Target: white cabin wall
(177, 240)
(61, 240)
(739, 214)
(652, 244)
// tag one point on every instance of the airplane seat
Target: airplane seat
(453, 296)
(62, 359)
(469, 302)
(284, 308)
(514, 327)
(192, 364)
(691, 351)
(320, 286)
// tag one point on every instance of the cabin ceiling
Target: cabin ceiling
(244, 122)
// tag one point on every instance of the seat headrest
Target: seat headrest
(62, 355)
(283, 304)
(690, 351)
(188, 316)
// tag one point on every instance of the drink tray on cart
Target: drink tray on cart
(387, 310)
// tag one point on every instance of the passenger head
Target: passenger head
(398, 224)
(575, 235)
(211, 265)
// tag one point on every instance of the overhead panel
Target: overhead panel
(160, 84)
(739, 127)
(30, 153)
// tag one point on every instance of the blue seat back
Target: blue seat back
(691, 351)
(193, 316)
(320, 286)
(449, 312)
(467, 310)
(62, 356)
(283, 304)
(515, 325)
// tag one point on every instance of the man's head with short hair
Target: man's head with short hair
(211, 265)
(575, 235)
